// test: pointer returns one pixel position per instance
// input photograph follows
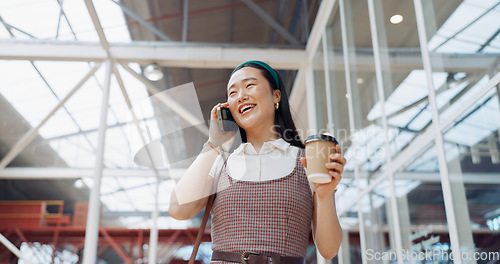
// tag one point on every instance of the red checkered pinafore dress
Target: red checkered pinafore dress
(272, 216)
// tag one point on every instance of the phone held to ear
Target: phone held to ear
(226, 120)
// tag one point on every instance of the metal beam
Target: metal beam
(51, 50)
(153, 233)
(169, 102)
(488, 42)
(282, 7)
(417, 145)
(117, 214)
(119, 80)
(221, 56)
(141, 21)
(320, 22)
(85, 136)
(118, 249)
(305, 19)
(13, 249)
(166, 54)
(10, 27)
(185, 17)
(269, 20)
(153, 237)
(33, 132)
(467, 26)
(92, 227)
(39, 173)
(97, 24)
(381, 83)
(345, 13)
(298, 91)
(401, 62)
(417, 228)
(457, 217)
(34, 251)
(41, 75)
(63, 14)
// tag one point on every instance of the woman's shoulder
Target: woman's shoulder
(300, 150)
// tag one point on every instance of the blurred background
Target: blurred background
(409, 88)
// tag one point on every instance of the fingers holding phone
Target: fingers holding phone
(226, 120)
(222, 125)
(213, 112)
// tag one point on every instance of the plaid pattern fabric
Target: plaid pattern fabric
(272, 216)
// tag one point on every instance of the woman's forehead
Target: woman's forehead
(244, 74)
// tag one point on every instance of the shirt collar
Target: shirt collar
(279, 143)
(247, 147)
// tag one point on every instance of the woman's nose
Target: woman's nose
(242, 96)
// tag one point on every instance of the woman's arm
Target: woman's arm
(191, 193)
(327, 232)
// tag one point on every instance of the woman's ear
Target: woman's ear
(277, 96)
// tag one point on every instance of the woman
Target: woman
(264, 204)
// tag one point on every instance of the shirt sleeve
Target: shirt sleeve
(216, 166)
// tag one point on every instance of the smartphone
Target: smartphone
(226, 120)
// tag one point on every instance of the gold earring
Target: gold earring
(277, 105)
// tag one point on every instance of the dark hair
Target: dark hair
(283, 121)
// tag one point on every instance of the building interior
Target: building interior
(411, 89)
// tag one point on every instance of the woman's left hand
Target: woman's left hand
(335, 168)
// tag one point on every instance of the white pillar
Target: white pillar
(344, 255)
(453, 191)
(13, 249)
(311, 99)
(374, 27)
(153, 235)
(328, 86)
(347, 37)
(403, 214)
(93, 216)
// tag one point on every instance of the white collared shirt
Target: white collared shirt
(276, 159)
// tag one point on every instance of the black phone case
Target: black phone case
(226, 120)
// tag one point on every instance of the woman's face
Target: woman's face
(251, 99)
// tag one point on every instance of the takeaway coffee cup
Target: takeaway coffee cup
(318, 150)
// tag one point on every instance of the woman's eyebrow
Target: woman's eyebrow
(244, 80)
(249, 78)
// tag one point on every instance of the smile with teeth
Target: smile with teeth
(247, 108)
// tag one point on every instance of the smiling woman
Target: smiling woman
(264, 205)
(252, 101)
(255, 80)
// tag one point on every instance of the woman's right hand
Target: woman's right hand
(216, 136)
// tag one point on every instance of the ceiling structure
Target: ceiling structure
(193, 41)
(46, 128)
(201, 31)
